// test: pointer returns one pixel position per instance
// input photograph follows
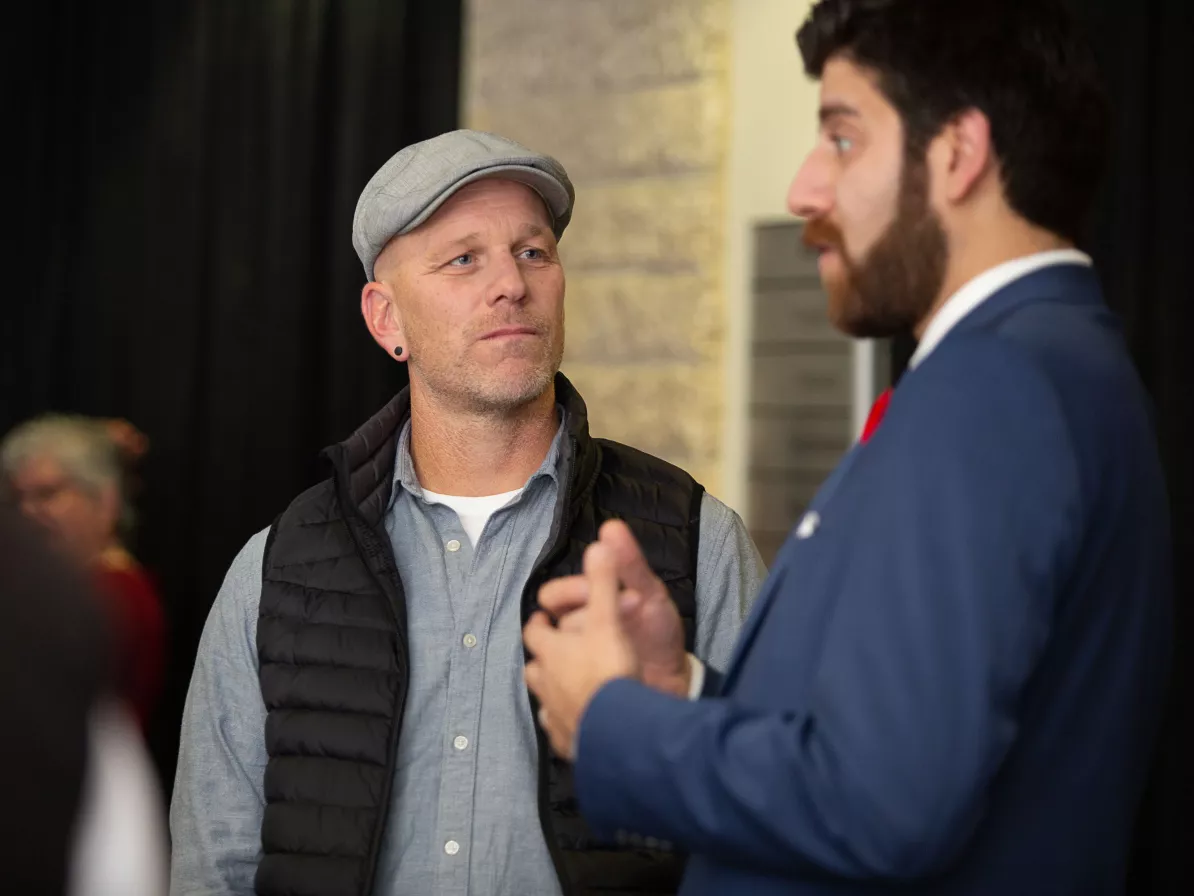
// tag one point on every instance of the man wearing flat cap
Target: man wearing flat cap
(357, 721)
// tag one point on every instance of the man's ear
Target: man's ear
(380, 312)
(963, 153)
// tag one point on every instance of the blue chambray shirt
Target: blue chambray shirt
(464, 817)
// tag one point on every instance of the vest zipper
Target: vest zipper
(529, 599)
(370, 543)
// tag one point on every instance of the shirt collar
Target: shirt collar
(404, 466)
(981, 288)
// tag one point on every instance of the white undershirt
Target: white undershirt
(474, 513)
(981, 288)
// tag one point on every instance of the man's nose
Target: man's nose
(811, 192)
(509, 282)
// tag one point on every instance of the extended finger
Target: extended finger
(539, 634)
(633, 570)
(563, 595)
(601, 571)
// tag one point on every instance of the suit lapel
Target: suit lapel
(784, 577)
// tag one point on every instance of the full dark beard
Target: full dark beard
(895, 284)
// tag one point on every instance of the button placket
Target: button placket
(465, 670)
(462, 719)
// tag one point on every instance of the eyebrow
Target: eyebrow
(836, 110)
(525, 230)
(466, 238)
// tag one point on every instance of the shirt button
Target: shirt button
(453, 545)
(451, 847)
(470, 640)
(461, 742)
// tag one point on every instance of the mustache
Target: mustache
(534, 321)
(820, 232)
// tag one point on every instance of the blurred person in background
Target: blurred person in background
(85, 816)
(53, 662)
(69, 474)
(357, 720)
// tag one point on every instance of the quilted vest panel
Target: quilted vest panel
(333, 661)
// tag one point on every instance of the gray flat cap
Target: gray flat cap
(412, 185)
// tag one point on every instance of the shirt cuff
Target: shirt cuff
(696, 682)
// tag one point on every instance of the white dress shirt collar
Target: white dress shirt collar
(981, 288)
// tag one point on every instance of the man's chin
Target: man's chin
(851, 317)
(845, 314)
(863, 328)
(515, 385)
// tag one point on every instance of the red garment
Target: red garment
(875, 417)
(141, 635)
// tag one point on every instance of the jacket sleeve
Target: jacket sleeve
(728, 574)
(940, 613)
(219, 801)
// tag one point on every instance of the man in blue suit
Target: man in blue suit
(951, 681)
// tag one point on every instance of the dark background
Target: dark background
(1142, 240)
(183, 189)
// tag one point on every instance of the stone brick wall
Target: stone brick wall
(632, 97)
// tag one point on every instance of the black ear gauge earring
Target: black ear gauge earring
(397, 351)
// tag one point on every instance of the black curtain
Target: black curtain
(184, 191)
(1142, 242)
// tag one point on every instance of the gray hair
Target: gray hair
(80, 445)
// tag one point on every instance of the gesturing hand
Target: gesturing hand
(648, 615)
(570, 664)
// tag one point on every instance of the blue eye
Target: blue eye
(462, 260)
(538, 253)
(842, 144)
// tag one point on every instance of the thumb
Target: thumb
(601, 572)
(632, 567)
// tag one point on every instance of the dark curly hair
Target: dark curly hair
(1020, 62)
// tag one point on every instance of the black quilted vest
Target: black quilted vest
(333, 661)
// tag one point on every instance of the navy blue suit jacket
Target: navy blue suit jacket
(952, 678)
